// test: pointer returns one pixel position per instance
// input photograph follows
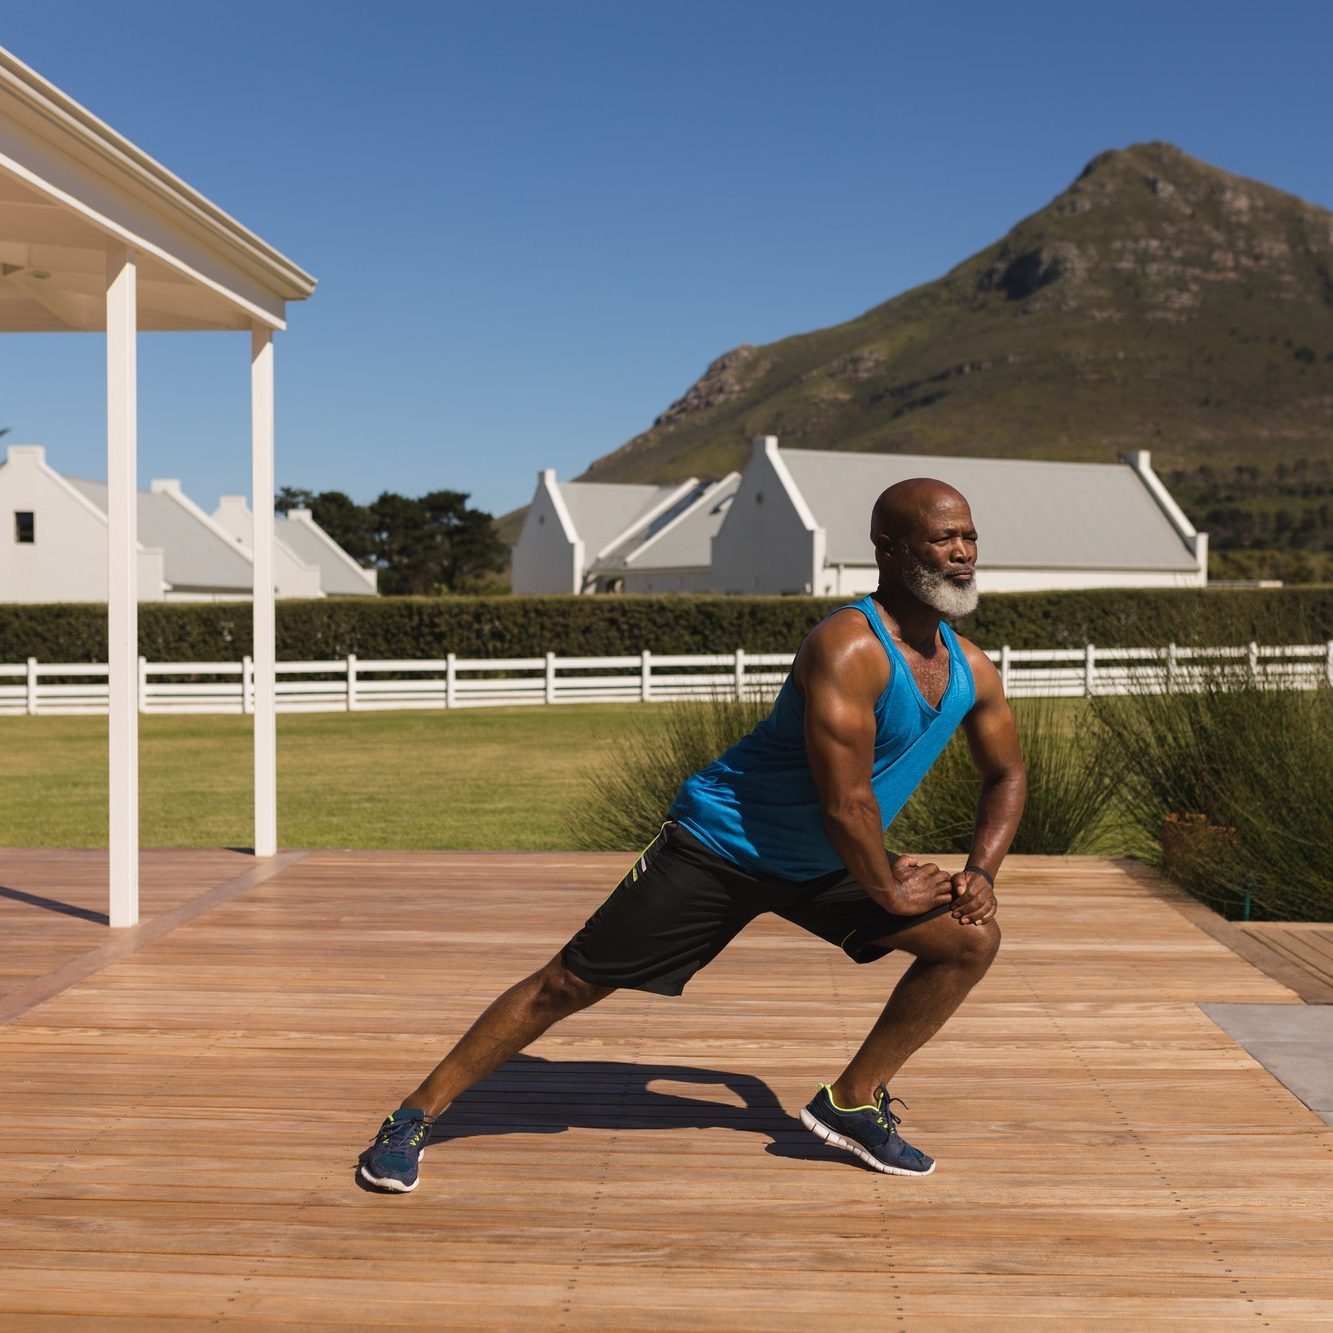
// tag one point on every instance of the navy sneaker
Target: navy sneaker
(390, 1163)
(868, 1132)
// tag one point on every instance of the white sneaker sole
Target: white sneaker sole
(821, 1130)
(396, 1186)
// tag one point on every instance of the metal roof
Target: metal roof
(1028, 514)
(603, 511)
(685, 539)
(194, 555)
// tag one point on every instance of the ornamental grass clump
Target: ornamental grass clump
(1229, 776)
(1230, 791)
(624, 802)
(1072, 788)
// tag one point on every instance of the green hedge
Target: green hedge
(423, 627)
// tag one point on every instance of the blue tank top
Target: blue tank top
(757, 805)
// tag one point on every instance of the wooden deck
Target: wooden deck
(182, 1119)
(1302, 945)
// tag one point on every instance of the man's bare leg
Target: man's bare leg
(515, 1020)
(950, 958)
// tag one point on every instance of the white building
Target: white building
(800, 523)
(56, 549)
(303, 540)
(673, 552)
(605, 537)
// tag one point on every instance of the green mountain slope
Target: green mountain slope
(1156, 303)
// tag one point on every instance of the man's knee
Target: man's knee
(945, 940)
(978, 945)
(560, 992)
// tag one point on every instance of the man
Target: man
(791, 820)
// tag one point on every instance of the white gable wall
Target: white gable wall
(339, 573)
(769, 541)
(211, 559)
(548, 556)
(67, 561)
(292, 577)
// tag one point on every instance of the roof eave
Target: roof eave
(73, 126)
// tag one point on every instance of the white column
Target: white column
(261, 460)
(122, 592)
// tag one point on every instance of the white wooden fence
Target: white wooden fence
(351, 685)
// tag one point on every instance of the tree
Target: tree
(292, 497)
(348, 523)
(433, 544)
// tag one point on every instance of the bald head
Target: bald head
(925, 547)
(909, 507)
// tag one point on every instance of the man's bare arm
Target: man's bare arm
(841, 671)
(993, 740)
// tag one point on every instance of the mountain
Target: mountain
(1158, 303)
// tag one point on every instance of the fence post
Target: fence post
(740, 674)
(142, 691)
(351, 682)
(550, 678)
(450, 680)
(1328, 664)
(1254, 661)
(32, 681)
(1004, 668)
(247, 684)
(645, 676)
(1171, 670)
(1089, 670)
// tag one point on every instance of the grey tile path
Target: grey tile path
(1294, 1042)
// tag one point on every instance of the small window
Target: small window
(25, 528)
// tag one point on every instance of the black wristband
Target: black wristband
(977, 870)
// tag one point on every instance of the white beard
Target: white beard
(935, 587)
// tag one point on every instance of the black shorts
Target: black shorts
(680, 905)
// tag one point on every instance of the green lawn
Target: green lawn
(467, 779)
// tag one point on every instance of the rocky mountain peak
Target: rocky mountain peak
(720, 383)
(1157, 301)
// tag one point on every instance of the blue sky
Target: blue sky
(534, 224)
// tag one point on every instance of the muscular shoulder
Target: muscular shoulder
(842, 649)
(984, 675)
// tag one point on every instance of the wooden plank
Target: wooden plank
(53, 902)
(1256, 942)
(37, 989)
(183, 1124)
(1306, 945)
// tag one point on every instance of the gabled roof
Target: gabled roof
(195, 554)
(604, 513)
(338, 572)
(681, 537)
(1028, 513)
